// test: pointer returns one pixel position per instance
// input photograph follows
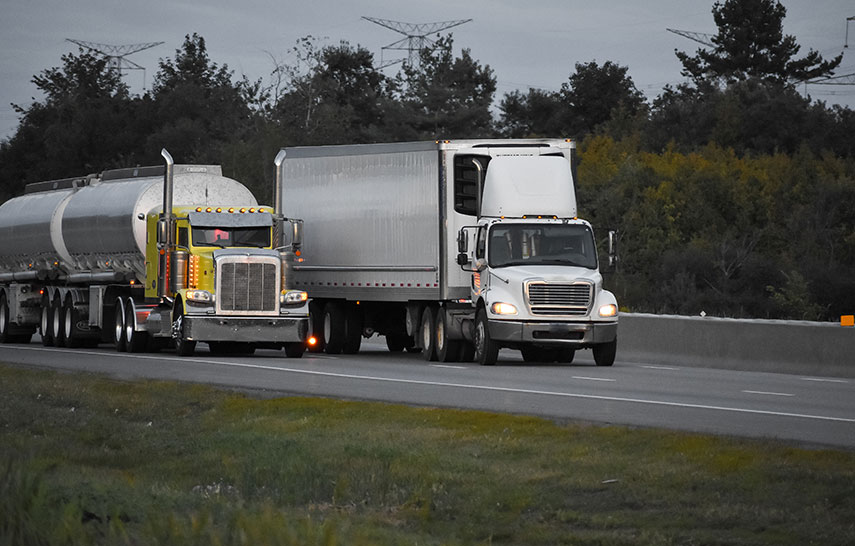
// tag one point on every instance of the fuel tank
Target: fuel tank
(97, 224)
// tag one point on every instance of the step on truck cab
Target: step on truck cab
(452, 248)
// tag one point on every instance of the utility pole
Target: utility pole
(115, 54)
(415, 37)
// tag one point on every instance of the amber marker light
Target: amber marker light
(312, 341)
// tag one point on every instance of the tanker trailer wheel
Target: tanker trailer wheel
(57, 327)
(447, 350)
(184, 347)
(119, 330)
(136, 341)
(70, 332)
(427, 333)
(486, 350)
(45, 323)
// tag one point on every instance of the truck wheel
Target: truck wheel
(5, 337)
(119, 338)
(57, 328)
(447, 350)
(45, 324)
(334, 328)
(136, 341)
(69, 324)
(427, 333)
(184, 347)
(352, 329)
(604, 353)
(486, 350)
(295, 349)
(566, 355)
(395, 342)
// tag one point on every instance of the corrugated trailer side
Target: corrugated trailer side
(375, 218)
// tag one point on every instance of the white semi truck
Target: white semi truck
(102, 258)
(454, 248)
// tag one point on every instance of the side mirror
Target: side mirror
(296, 233)
(613, 244)
(462, 242)
(162, 231)
(463, 259)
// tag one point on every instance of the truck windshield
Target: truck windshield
(553, 244)
(228, 237)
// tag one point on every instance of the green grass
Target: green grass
(89, 460)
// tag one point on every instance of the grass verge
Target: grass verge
(89, 460)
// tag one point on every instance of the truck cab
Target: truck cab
(536, 284)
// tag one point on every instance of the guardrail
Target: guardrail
(780, 346)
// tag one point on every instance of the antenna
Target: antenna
(115, 54)
(700, 37)
(415, 37)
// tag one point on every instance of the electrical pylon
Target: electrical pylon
(115, 54)
(415, 37)
(700, 37)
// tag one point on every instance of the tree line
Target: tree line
(732, 193)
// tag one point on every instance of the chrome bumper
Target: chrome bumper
(246, 329)
(553, 333)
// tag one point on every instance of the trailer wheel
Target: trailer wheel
(57, 327)
(486, 350)
(604, 353)
(353, 321)
(70, 332)
(119, 338)
(136, 341)
(45, 323)
(447, 350)
(427, 333)
(334, 328)
(5, 336)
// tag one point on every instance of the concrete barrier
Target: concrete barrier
(780, 346)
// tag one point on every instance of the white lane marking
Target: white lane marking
(823, 380)
(660, 368)
(447, 366)
(593, 378)
(455, 385)
(769, 393)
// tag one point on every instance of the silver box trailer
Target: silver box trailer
(387, 224)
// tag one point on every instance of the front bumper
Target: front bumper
(246, 329)
(577, 334)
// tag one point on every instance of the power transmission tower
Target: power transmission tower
(700, 37)
(415, 37)
(115, 54)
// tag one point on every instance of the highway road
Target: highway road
(807, 410)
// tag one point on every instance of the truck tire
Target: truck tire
(316, 326)
(353, 321)
(295, 349)
(70, 332)
(604, 353)
(136, 341)
(447, 350)
(119, 339)
(45, 322)
(5, 325)
(57, 328)
(486, 350)
(427, 333)
(334, 328)
(183, 347)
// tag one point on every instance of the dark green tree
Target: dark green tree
(535, 114)
(85, 123)
(750, 43)
(595, 95)
(444, 96)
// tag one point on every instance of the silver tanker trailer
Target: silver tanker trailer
(95, 259)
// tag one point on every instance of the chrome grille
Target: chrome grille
(559, 298)
(246, 287)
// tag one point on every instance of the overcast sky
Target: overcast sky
(532, 43)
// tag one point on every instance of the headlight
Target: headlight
(199, 296)
(293, 297)
(501, 308)
(609, 310)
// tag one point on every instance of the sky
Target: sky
(533, 43)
